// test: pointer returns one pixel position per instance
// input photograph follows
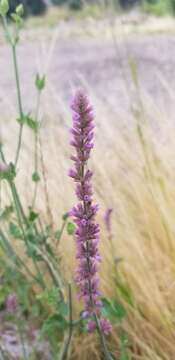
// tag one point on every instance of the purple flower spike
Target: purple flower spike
(87, 231)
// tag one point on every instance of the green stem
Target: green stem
(107, 355)
(13, 43)
(21, 219)
(68, 340)
(15, 258)
(61, 232)
(21, 336)
(36, 148)
(19, 102)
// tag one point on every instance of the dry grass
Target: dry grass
(134, 174)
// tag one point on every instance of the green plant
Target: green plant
(157, 7)
(75, 4)
(59, 2)
(30, 6)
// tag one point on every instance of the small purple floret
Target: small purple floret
(87, 231)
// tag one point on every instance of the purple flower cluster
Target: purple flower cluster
(87, 231)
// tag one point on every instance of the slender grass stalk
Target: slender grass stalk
(61, 231)
(13, 44)
(22, 340)
(48, 207)
(67, 344)
(36, 147)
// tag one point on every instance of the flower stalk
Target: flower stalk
(87, 231)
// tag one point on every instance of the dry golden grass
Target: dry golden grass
(134, 174)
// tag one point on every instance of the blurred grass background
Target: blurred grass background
(134, 167)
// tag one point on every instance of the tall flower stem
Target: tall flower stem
(87, 231)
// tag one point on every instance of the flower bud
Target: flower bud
(20, 10)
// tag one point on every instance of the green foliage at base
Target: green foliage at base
(32, 7)
(159, 7)
(75, 4)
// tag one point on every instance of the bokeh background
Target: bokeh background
(122, 53)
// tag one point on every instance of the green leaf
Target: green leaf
(124, 355)
(26, 119)
(20, 10)
(15, 231)
(22, 120)
(65, 216)
(40, 82)
(70, 228)
(35, 176)
(4, 7)
(63, 309)
(32, 124)
(17, 19)
(113, 309)
(58, 234)
(8, 173)
(5, 214)
(124, 343)
(124, 292)
(49, 296)
(54, 323)
(33, 216)
(32, 252)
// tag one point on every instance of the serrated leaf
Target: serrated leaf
(70, 228)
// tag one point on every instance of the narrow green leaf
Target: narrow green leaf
(70, 228)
